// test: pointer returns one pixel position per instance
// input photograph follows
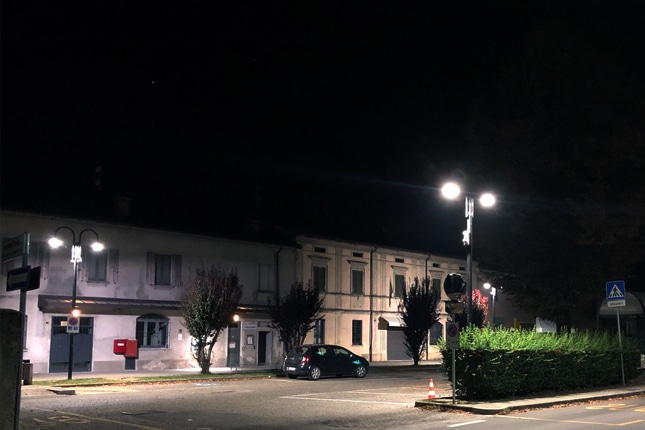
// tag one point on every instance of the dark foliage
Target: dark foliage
(295, 314)
(210, 301)
(418, 310)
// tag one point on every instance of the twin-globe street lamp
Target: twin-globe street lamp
(452, 190)
(96, 246)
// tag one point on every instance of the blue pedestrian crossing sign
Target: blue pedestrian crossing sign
(615, 293)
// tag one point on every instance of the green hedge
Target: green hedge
(502, 363)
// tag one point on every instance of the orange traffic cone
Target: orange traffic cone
(431, 394)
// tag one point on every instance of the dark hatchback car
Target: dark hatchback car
(314, 361)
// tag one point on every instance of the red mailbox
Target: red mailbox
(119, 346)
(131, 348)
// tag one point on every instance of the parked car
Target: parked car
(314, 361)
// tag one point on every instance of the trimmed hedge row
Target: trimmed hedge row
(533, 362)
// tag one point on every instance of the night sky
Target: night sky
(333, 118)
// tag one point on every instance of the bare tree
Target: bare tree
(211, 298)
(295, 314)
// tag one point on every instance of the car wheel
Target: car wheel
(292, 376)
(360, 371)
(314, 373)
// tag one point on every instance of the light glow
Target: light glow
(97, 247)
(55, 242)
(450, 190)
(487, 200)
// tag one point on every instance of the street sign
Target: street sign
(23, 279)
(14, 247)
(615, 293)
(452, 335)
(73, 324)
(18, 279)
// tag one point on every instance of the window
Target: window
(152, 331)
(321, 250)
(319, 331)
(357, 281)
(357, 332)
(398, 260)
(95, 264)
(98, 266)
(164, 270)
(320, 277)
(357, 254)
(399, 283)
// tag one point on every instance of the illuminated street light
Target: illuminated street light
(56, 242)
(493, 292)
(452, 190)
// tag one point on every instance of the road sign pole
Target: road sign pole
(620, 345)
(454, 375)
(26, 238)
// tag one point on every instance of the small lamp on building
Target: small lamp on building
(493, 293)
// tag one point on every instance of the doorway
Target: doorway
(59, 345)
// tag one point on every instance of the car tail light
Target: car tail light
(304, 361)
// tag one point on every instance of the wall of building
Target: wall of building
(128, 277)
(265, 270)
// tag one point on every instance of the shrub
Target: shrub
(504, 362)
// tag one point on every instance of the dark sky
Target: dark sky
(330, 117)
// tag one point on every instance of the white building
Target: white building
(132, 290)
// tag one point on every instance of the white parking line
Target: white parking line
(302, 397)
(467, 423)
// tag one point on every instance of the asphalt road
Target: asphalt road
(382, 400)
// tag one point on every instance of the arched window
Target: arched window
(152, 331)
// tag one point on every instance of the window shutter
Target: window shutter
(150, 274)
(82, 272)
(113, 261)
(175, 271)
(39, 256)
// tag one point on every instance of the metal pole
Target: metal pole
(70, 363)
(454, 375)
(620, 345)
(470, 214)
(26, 239)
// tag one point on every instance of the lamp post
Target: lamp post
(493, 292)
(96, 246)
(451, 190)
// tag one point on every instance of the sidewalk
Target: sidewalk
(442, 385)
(444, 401)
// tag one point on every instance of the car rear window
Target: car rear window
(300, 350)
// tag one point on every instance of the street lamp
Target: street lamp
(451, 191)
(96, 246)
(493, 292)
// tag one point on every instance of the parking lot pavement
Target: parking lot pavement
(429, 371)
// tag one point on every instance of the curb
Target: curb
(502, 408)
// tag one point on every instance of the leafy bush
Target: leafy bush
(504, 362)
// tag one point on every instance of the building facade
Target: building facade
(132, 290)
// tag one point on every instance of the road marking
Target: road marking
(120, 423)
(628, 423)
(467, 423)
(305, 397)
